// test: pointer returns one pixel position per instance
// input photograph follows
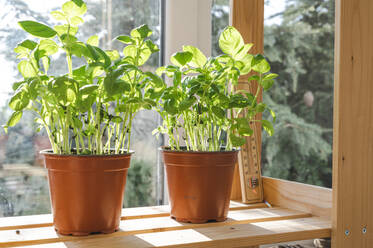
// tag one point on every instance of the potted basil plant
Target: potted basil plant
(87, 114)
(207, 121)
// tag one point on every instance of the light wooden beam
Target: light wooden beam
(248, 17)
(303, 197)
(353, 125)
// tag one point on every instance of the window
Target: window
(23, 184)
(299, 42)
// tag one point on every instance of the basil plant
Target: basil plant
(201, 110)
(90, 109)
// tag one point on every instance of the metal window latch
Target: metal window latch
(253, 182)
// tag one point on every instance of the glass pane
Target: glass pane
(299, 42)
(220, 19)
(23, 182)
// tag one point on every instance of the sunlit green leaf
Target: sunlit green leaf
(125, 39)
(181, 58)
(19, 101)
(260, 64)
(71, 9)
(268, 127)
(63, 29)
(26, 69)
(46, 63)
(141, 32)
(59, 16)
(198, 59)
(267, 84)
(76, 20)
(14, 119)
(231, 41)
(37, 29)
(93, 40)
(48, 46)
(28, 44)
(113, 54)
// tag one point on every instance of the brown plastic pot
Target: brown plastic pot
(86, 191)
(199, 184)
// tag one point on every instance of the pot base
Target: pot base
(69, 233)
(198, 221)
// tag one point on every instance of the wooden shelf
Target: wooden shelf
(247, 225)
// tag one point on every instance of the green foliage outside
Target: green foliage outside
(139, 185)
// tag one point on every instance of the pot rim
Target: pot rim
(49, 152)
(164, 149)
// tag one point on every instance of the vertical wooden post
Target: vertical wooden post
(353, 125)
(248, 17)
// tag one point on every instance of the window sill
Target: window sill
(247, 225)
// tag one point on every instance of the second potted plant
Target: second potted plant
(87, 114)
(206, 121)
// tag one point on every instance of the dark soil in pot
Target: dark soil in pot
(86, 191)
(199, 184)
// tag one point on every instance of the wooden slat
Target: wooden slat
(303, 197)
(238, 235)
(43, 220)
(43, 235)
(353, 125)
(248, 17)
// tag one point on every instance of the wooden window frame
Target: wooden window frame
(349, 205)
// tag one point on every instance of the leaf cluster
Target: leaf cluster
(89, 109)
(201, 104)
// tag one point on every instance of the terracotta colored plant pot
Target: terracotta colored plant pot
(86, 191)
(199, 184)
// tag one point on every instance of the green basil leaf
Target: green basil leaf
(199, 59)
(14, 119)
(59, 16)
(141, 32)
(153, 47)
(270, 76)
(219, 112)
(170, 107)
(267, 84)
(260, 107)
(72, 9)
(78, 2)
(28, 44)
(37, 29)
(231, 41)
(187, 103)
(260, 64)
(181, 58)
(143, 56)
(19, 100)
(76, 20)
(48, 46)
(125, 39)
(113, 54)
(243, 51)
(268, 127)
(46, 62)
(93, 40)
(26, 69)
(62, 29)
(237, 141)
(88, 89)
